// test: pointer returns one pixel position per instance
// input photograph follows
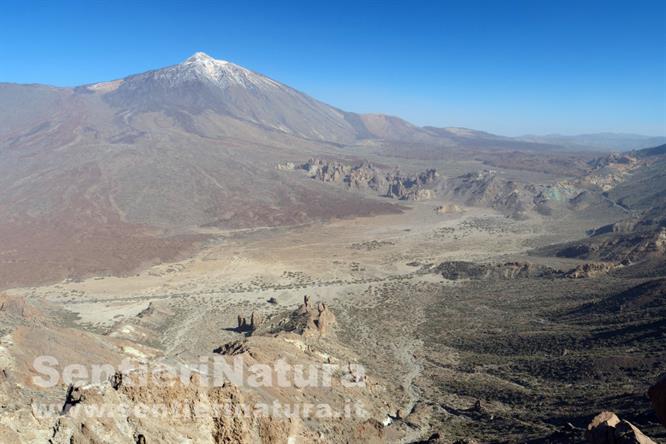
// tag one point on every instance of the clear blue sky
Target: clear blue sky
(511, 67)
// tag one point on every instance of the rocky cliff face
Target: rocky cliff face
(412, 188)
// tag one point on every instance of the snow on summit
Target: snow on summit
(201, 65)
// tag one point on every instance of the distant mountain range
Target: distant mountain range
(598, 141)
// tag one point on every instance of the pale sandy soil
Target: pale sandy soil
(339, 259)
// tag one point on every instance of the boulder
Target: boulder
(657, 394)
(608, 428)
(601, 429)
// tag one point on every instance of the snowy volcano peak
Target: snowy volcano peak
(222, 72)
(203, 60)
(202, 83)
(201, 57)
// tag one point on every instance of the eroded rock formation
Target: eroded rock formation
(314, 320)
(367, 176)
(308, 320)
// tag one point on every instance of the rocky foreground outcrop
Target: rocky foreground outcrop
(192, 413)
(607, 428)
(160, 399)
